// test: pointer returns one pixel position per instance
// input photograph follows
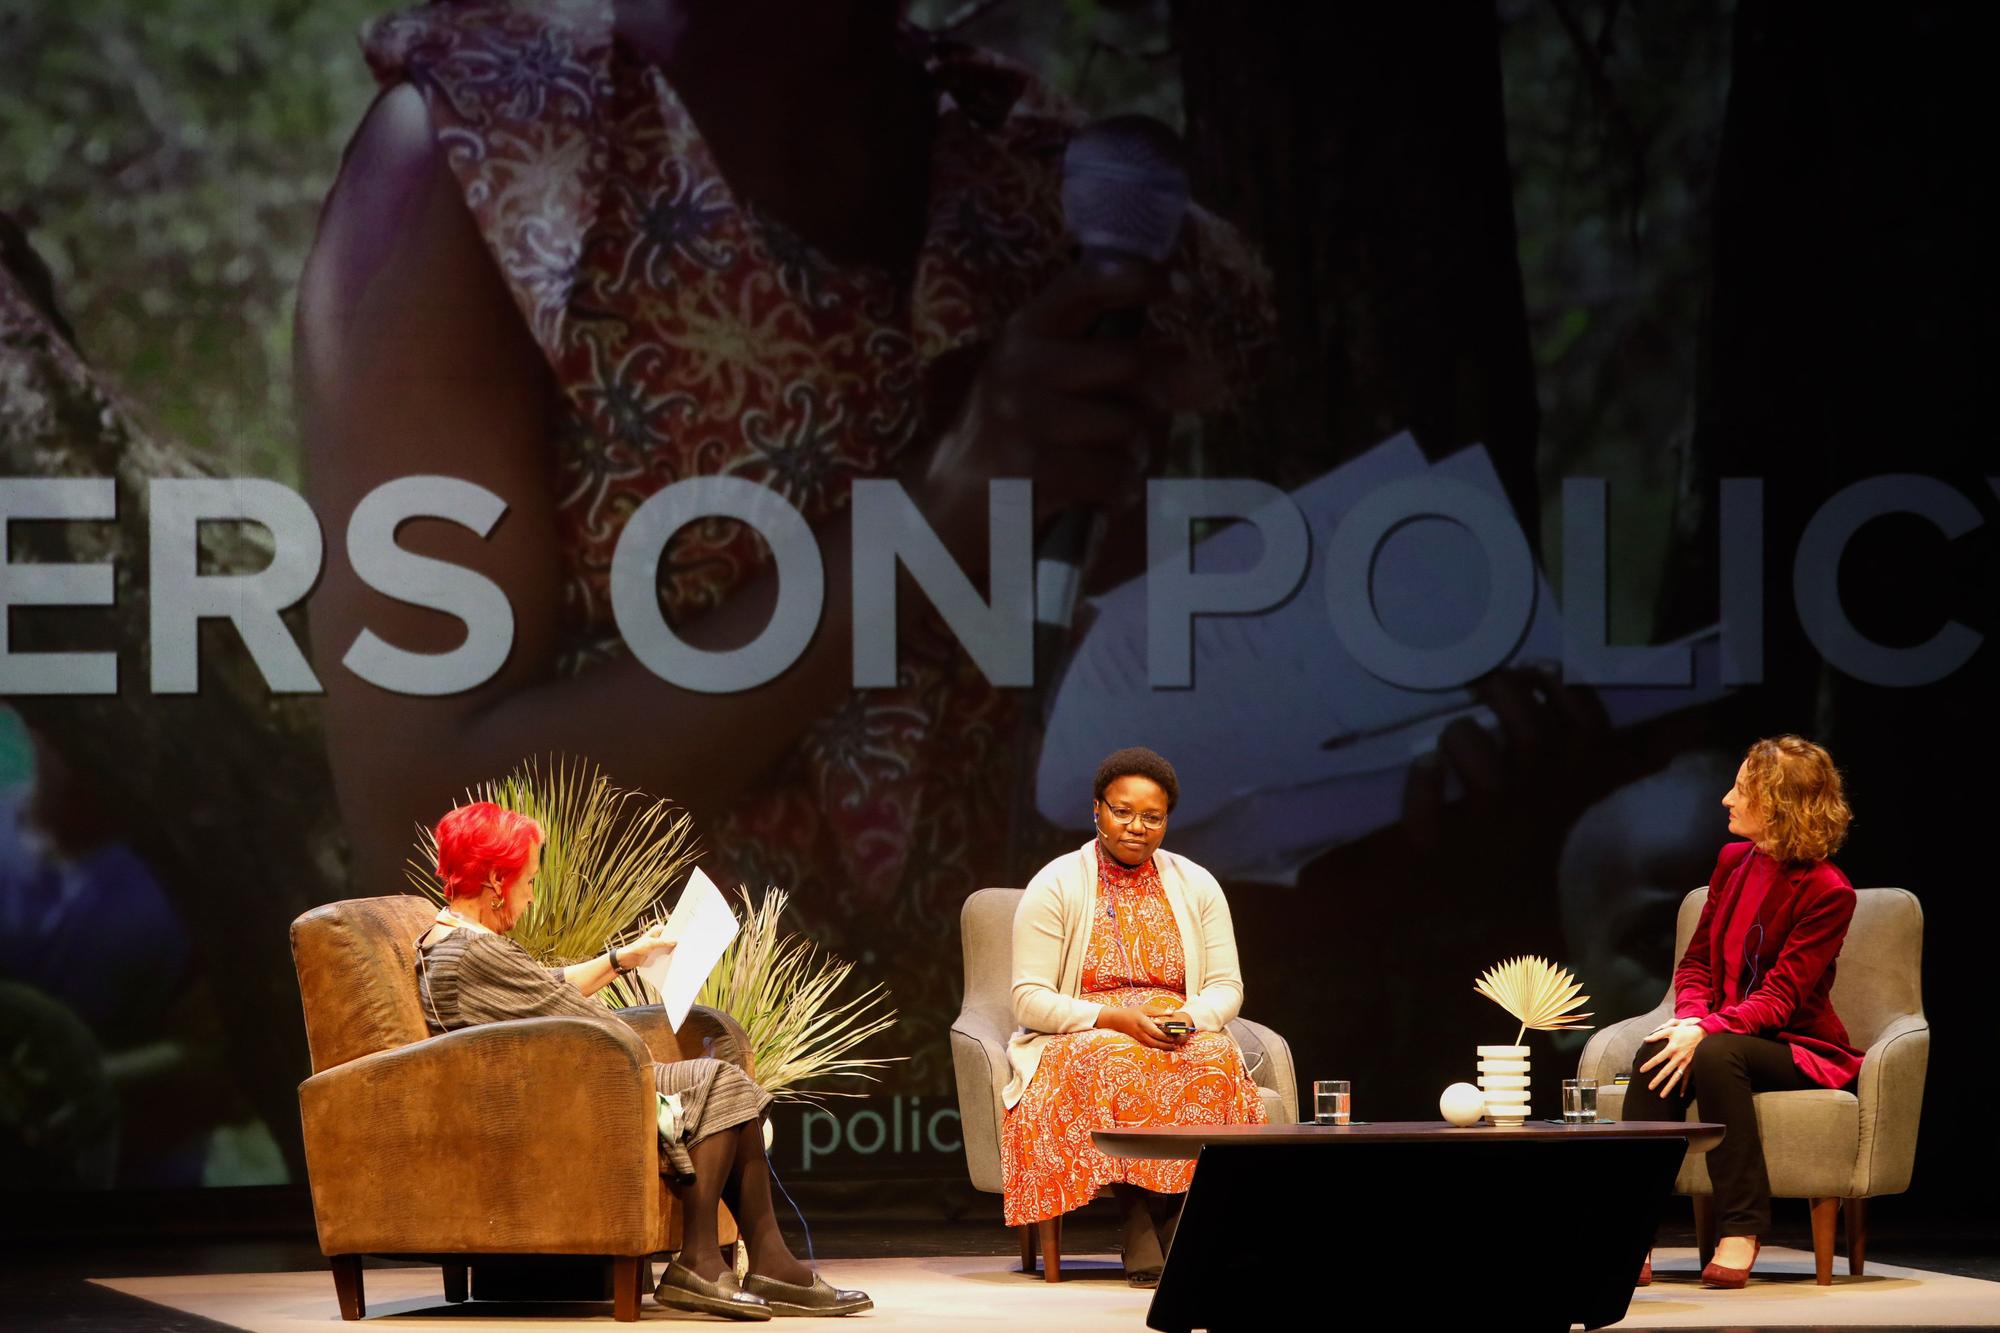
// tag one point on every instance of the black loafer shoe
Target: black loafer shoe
(681, 1289)
(1144, 1277)
(820, 1298)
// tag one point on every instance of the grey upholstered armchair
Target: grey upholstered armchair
(979, 1057)
(1835, 1148)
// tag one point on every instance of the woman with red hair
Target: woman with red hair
(1752, 1011)
(711, 1124)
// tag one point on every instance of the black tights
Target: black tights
(730, 1168)
(1726, 1071)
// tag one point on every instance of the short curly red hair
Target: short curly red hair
(1795, 789)
(479, 842)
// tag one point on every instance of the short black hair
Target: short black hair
(1137, 761)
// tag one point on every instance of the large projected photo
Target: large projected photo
(1450, 438)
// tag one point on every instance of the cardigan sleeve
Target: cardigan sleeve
(1221, 995)
(1812, 943)
(1039, 1002)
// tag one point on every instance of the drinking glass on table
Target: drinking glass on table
(1580, 1101)
(1330, 1101)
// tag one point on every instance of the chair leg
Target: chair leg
(1825, 1212)
(1027, 1231)
(347, 1285)
(1857, 1235)
(625, 1288)
(456, 1289)
(1704, 1228)
(1051, 1248)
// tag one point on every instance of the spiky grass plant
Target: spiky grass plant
(785, 993)
(1536, 992)
(609, 857)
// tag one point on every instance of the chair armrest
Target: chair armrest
(1610, 1049)
(705, 1032)
(1269, 1057)
(981, 1068)
(1890, 1089)
(532, 1136)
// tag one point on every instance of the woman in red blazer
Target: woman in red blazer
(1751, 1006)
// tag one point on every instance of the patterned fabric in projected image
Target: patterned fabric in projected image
(691, 335)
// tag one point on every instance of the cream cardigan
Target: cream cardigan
(1052, 930)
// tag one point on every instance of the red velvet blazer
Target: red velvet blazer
(1762, 957)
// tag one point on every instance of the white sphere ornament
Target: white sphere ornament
(1462, 1104)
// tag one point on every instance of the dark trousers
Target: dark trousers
(1726, 1070)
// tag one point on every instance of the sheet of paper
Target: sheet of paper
(1298, 747)
(1272, 689)
(1267, 690)
(701, 927)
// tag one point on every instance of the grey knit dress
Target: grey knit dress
(470, 977)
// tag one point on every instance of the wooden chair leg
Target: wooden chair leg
(347, 1285)
(625, 1288)
(1704, 1228)
(1027, 1231)
(1825, 1212)
(1857, 1235)
(1051, 1248)
(456, 1288)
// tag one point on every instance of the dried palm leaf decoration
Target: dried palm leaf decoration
(1536, 992)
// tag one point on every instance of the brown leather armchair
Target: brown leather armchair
(533, 1137)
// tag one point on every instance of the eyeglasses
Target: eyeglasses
(1152, 821)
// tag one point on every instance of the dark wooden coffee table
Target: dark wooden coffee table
(1186, 1141)
(1539, 1226)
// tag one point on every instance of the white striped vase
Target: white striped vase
(1503, 1081)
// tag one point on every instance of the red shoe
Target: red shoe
(1646, 1271)
(1731, 1279)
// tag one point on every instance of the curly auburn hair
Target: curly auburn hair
(1795, 789)
(1136, 761)
(479, 842)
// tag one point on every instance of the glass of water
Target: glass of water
(1580, 1101)
(1330, 1101)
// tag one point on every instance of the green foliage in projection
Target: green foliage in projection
(1614, 119)
(1106, 56)
(168, 159)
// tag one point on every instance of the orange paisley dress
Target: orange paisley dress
(1102, 1079)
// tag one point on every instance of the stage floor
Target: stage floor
(983, 1292)
(928, 1274)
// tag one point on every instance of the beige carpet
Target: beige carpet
(933, 1294)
